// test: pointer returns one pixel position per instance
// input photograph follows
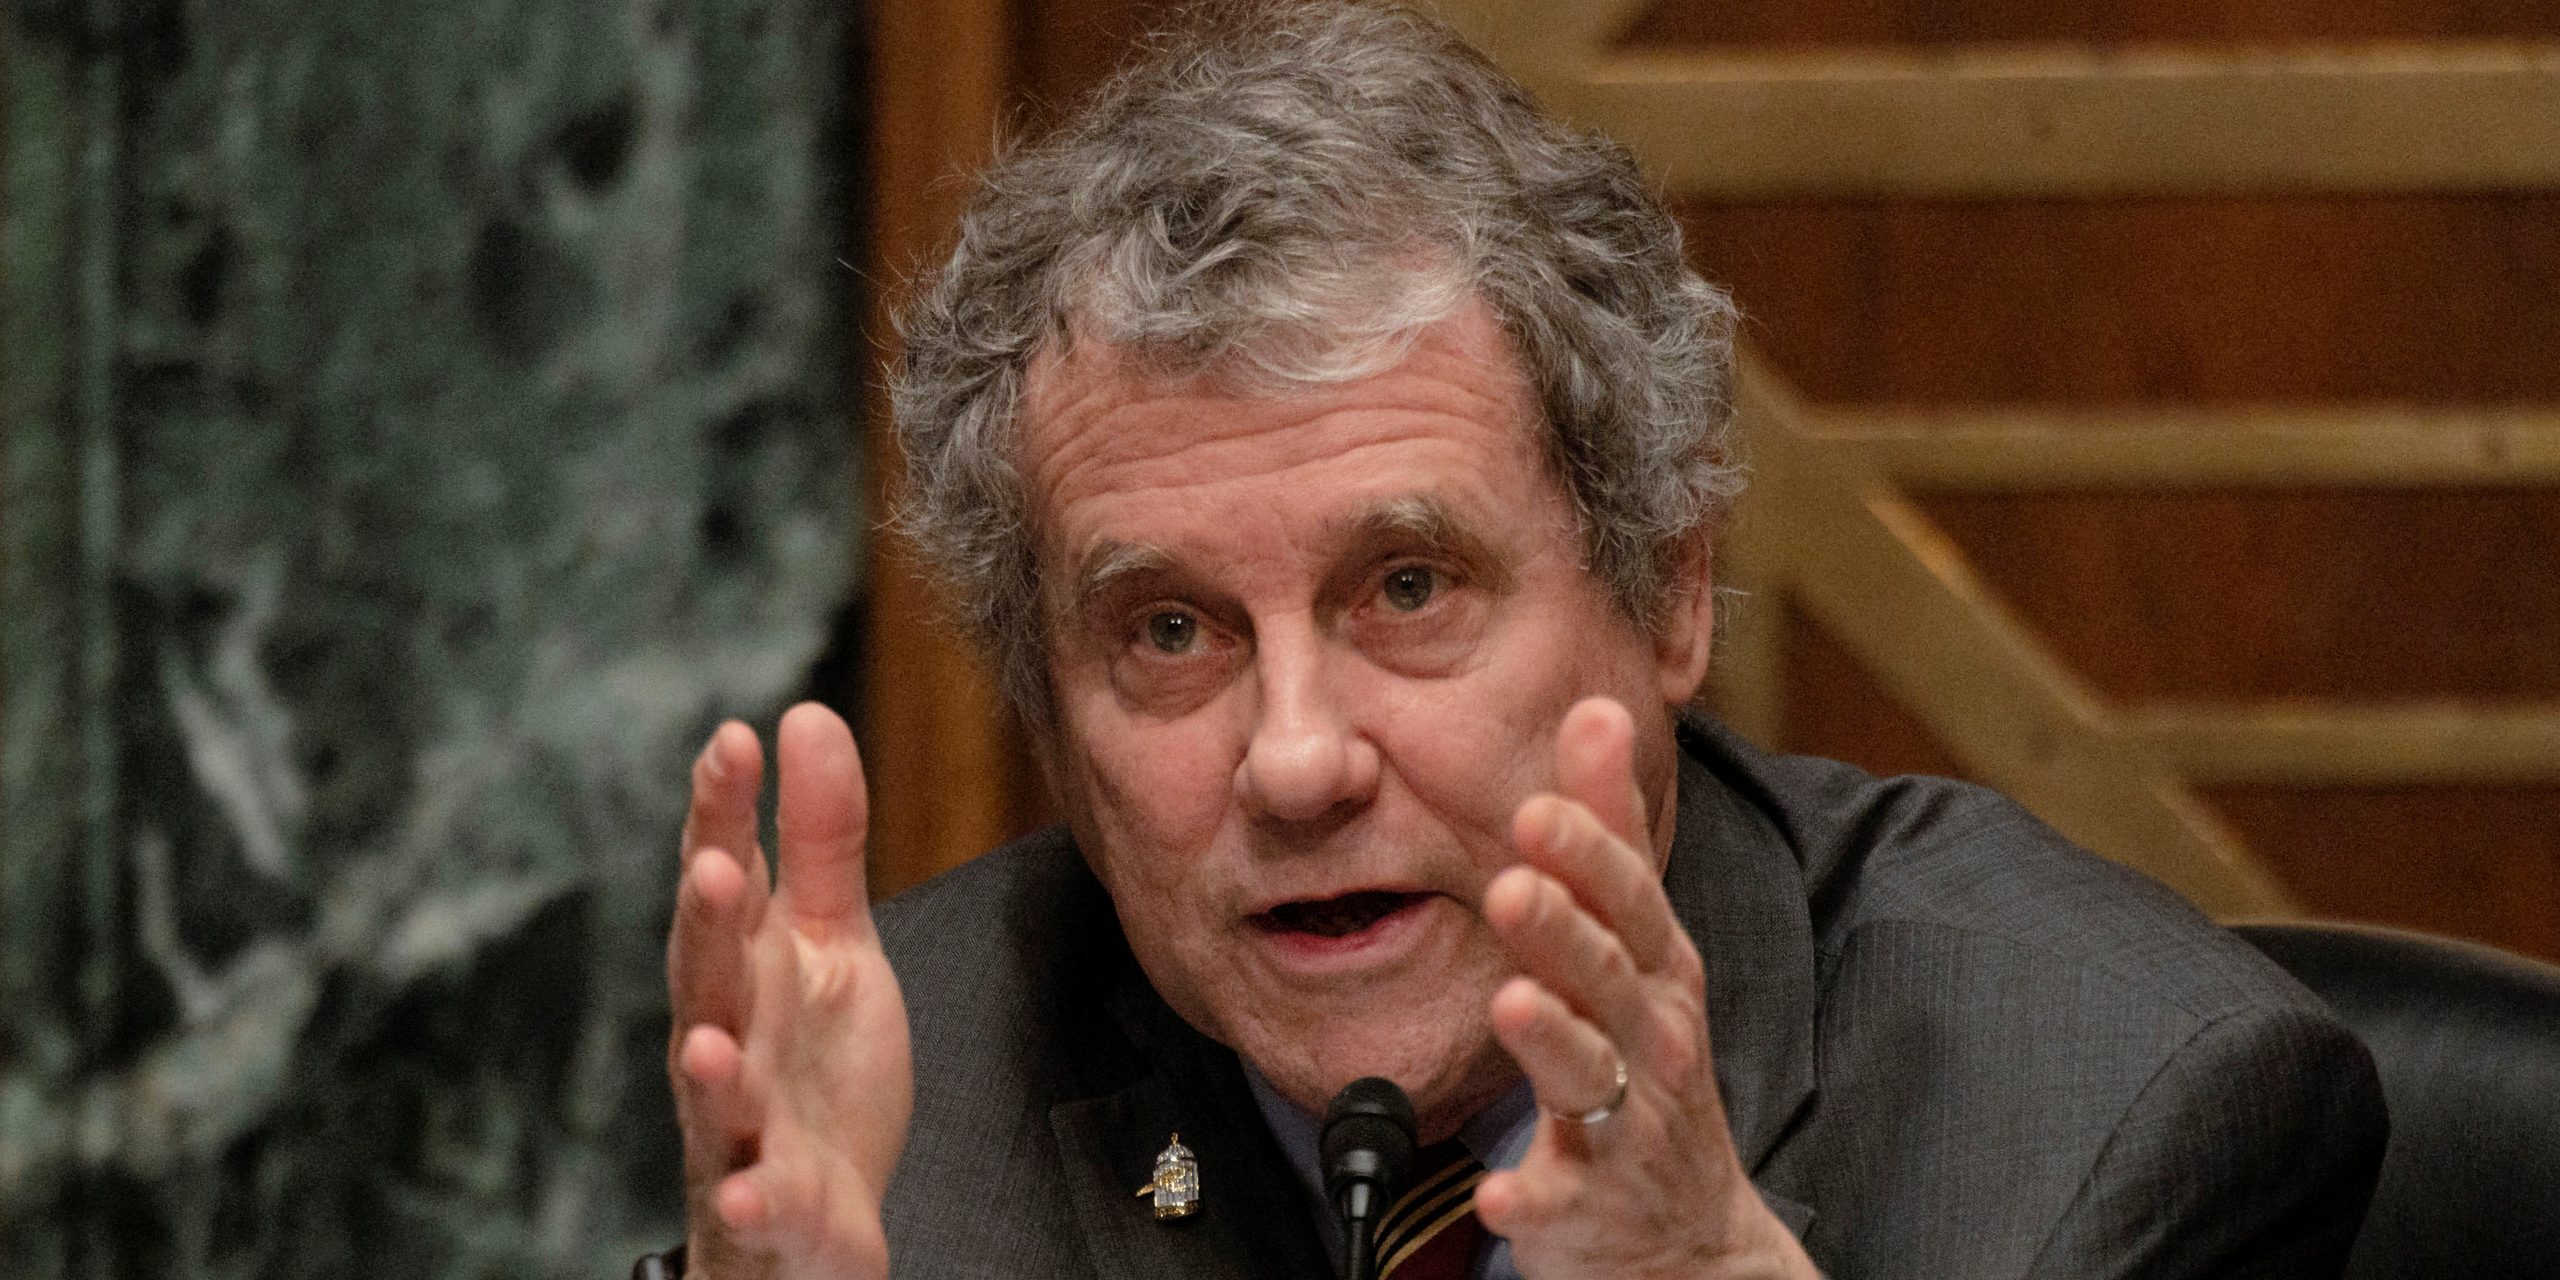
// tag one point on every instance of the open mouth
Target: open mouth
(1336, 917)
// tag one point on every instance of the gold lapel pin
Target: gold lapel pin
(1176, 1184)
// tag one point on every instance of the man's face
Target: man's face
(1309, 655)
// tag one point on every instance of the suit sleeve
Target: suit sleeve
(2251, 1153)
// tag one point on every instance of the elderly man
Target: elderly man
(1329, 447)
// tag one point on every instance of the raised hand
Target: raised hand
(1611, 981)
(789, 1052)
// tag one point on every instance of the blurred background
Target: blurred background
(423, 422)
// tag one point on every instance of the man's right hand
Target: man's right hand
(789, 1052)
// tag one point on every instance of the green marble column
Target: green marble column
(423, 420)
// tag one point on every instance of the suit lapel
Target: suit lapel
(1253, 1219)
(1738, 888)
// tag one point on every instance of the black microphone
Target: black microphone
(1368, 1155)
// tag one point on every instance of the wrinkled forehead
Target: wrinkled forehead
(1076, 389)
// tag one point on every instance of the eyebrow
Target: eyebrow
(1423, 519)
(1419, 518)
(1111, 560)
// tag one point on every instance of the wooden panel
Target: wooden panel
(944, 771)
(2475, 862)
(2343, 744)
(2218, 596)
(2387, 446)
(2434, 299)
(1872, 568)
(1064, 47)
(1726, 23)
(1989, 122)
(1836, 708)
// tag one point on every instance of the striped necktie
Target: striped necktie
(1432, 1232)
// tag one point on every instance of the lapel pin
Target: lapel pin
(1176, 1184)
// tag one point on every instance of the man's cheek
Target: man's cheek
(1176, 809)
(1469, 771)
(1160, 813)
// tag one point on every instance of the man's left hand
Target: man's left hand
(1655, 1190)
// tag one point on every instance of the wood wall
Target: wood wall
(2194, 303)
(2227, 600)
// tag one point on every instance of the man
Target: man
(1329, 448)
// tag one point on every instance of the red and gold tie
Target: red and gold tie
(1432, 1232)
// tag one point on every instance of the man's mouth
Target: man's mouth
(1336, 917)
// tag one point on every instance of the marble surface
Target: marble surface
(423, 421)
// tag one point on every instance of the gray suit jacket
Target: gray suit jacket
(1950, 1044)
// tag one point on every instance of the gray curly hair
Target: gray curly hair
(1284, 195)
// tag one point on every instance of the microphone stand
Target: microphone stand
(1359, 1210)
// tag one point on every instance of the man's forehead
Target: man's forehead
(1068, 377)
(1104, 430)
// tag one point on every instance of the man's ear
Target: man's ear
(1684, 634)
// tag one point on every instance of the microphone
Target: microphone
(1368, 1154)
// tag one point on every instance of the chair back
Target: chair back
(2467, 1039)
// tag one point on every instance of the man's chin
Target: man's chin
(1450, 1072)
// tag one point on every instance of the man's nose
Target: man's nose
(1307, 757)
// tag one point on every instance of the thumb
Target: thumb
(822, 822)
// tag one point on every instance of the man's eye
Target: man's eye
(1172, 631)
(1410, 587)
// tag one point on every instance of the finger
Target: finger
(813, 1211)
(1514, 1201)
(1571, 1066)
(1555, 941)
(784, 1204)
(719, 1103)
(708, 977)
(1609, 878)
(820, 820)
(1596, 765)
(743, 1204)
(726, 777)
